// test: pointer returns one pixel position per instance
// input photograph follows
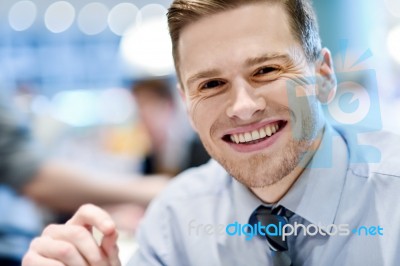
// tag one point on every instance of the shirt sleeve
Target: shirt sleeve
(19, 158)
(153, 239)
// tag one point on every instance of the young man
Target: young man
(253, 76)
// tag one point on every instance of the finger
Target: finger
(90, 215)
(33, 259)
(110, 248)
(58, 250)
(81, 239)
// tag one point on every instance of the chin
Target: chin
(262, 169)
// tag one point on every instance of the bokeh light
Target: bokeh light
(92, 18)
(151, 12)
(92, 107)
(146, 49)
(22, 15)
(59, 16)
(122, 17)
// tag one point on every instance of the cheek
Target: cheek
(204, 112)
(295, 95)
(198, 114)
(277, 93)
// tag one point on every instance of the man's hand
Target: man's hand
(73, 243)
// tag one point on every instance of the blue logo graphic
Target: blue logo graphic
(353, 111)
(348, 103)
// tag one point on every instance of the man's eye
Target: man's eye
(212, 84)
(265, 70)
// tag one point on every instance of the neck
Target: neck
(273, 193)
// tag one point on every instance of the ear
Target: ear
(182, 93)
(326, 81)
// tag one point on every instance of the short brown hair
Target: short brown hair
(302, 20)
(159, 87)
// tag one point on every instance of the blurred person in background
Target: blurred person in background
(29, 180)
(174, 145)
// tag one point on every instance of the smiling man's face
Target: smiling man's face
(235, 67)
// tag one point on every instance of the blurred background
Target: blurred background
(69, 68)
(75, 70)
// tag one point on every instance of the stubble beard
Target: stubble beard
(262, 170)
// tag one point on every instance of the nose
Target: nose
(245, 102)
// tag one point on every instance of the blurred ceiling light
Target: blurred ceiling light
(82, 108)
(59, 16)
(22, 15)
(146, 50)
(393, 6)
(393, 42)
(75, 108)
(122, 17)
(92, 18)
(151, 12)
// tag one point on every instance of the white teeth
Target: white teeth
(268, 130)
(247, 137)
(262, 133)
(255, 135)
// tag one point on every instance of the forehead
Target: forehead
(231, 37)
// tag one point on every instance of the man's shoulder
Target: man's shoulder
(388, 145)
(206, 180)
(380, 150)
(191, 196)
(193, 193)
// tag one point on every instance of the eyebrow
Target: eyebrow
(249, 62)
(267, 57)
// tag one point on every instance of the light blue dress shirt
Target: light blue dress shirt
(186, 224)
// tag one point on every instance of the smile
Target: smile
(255, 136)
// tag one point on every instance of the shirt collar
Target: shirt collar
(245, 202)
(315, 196)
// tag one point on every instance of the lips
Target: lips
(248, 137)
